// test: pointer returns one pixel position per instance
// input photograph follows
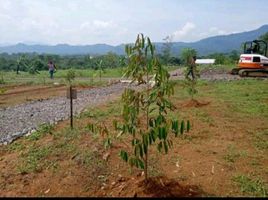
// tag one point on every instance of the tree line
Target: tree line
(33, 62)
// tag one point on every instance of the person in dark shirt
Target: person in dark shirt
(51, 69)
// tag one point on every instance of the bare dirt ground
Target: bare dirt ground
(197, 165)
(14, 95)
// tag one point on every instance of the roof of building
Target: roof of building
(205, 61)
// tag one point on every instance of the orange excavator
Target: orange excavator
(254, 61)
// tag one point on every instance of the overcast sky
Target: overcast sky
(119, 21)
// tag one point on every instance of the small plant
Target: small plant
(233, 154)
(100, 68)
(261, 140)
(3, 90)
(2, 81)
(151, 105)
(34, 159)
(44, 129)
(16, 146)
(190, 84)
(103, 131)
(43, 79)
(251, 187)
(70, 76)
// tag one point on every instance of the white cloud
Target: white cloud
(183, 32)
(117, 21)
(212, 31)
(102, 24)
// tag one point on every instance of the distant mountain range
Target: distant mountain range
(216, 44)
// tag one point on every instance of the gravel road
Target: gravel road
(21, 119)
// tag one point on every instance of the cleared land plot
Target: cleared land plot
(225, 153)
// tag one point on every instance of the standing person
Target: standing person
(192, 67)
(51, 69)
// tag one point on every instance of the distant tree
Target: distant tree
(166, 49)
(220, 58)
(33, 65)
(111, 60)
(88, 61)
(174, 61)
(265, 38)
(3, 63)
(187, 54)
(234, 56)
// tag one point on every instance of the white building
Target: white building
(205, 61)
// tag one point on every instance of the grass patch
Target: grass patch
(34, 159)
(153, 168)
(251, 187)
(67, 134)
(261, 140)
(232, 154)
(88, 76)
(15, 146)
(204, 117)
(41, 132)
(112, 109)
(245, 96)
(92, 159)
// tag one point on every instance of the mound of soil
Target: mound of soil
(164, 187)
(212, 71)
(195, 103)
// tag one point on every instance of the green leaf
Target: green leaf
(145, 139)
(140, 150)
(154, 135)
(145, 148)
(160, 146)
(152, 110)
(136, 150)
(182, 126)
(188, 125)
(151, 122)
(140, 163)
(115, 124)
(132, 161)
(150, 138)
(151, 46)
(170, 143)
(142, 41)
(175, 127)
(164, 132)
(107, 143)
(160, 133)
(124, 155)
(165, 146)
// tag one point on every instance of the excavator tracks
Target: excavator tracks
(253, 73)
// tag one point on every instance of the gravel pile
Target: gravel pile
(209, 74)
(25, 118)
